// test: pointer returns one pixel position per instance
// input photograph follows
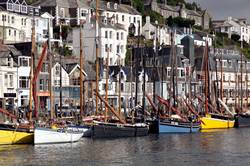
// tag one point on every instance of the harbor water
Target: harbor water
(222, 147)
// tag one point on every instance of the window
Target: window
(45, 67)
(14, 32)
(110, 35)
(24, 100)
(110, 48)
(121, 35)
(41, 84)
(9, 62)
(12, 19)
(36, 11)
(115, 6)
(122, 48)
(46, 85)
(24, 82)
(106, 48)
(134, 20)
(6, 80)
(62, 13)
(17, 7)
(83, 13)
(117, 36)
(11, 80)
(57, 70)
(117, 49)
(23, 62)
(123, 18)
(9, 32)
(106, 34)
(122, 87)
(3, 18)
(229, 63)
(8, 19)
(10, 6)
(24, 9)
(75, 81)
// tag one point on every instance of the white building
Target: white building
(8, 76)
(16, 22)
(233, 26)
(149, 31)
(116, 22)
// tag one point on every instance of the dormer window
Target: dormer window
(105, 21)
(115, 6)
(108, 5)
(24, 9)
(62, 13)
(9, 6)
(17, 7)
(36, 11)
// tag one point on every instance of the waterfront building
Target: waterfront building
(116, 23)
(16, 22)
(8, 76)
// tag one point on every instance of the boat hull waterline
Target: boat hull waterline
(178, 127)
(214, 123)
(109, 130)
(52, 136)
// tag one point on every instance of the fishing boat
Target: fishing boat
(176, 126)
(217, 120)
(242, 120)
(56, 135)
(114, 130)
(15, 134)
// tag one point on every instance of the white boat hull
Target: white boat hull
(53, 136)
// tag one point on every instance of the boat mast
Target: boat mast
(241, 83)
(107, 84)
(206, 78)
(97, 54)
(50, 75)
(119, 85)
(246, 79)
(221, 80)
(81, 72)
(31, 67)
(61, 68)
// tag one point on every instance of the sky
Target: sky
(221, 9)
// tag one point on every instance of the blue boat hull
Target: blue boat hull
(178, 127)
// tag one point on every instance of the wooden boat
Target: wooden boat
(14, 134)
(242, 120)
(114, 130)
(215, 121)
(175, 126)
(55, 135)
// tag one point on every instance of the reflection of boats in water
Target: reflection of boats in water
(16, 134)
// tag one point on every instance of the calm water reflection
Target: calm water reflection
(224, 147)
